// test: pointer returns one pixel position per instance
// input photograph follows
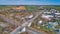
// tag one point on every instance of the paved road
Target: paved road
(25, 24)
(31, 20)
(15, 22)
(33, 31)
(16, 30)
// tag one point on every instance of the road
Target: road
(33, 31)
(15, 22)
(31, 20)
(25, 24)
(16, 30)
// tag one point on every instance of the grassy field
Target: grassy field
(31, 7)
(46, 7)
(6, 7)
(53, 7)
(34, 7)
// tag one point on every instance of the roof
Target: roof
(29, 16)
(53, 23)
(40, 21)
(57, 13)
(46, 16)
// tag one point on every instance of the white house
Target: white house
(53, 10)
(40, 22)
(47, 12)
(53, 23)
(29, 16)
(47, 17)
(57, 13)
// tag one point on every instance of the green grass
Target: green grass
(47, 30)
(58, 26)
(27, 7)
(34, 7)
(53, 32)
(57, 20)
(31, 7)
(1, 7)
(53, 7)
(44, 28)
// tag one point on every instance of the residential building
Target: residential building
(47, 17)
(52, 25)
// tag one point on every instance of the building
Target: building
(29, 16)
(40, 8)
(58, 31)
(53, 11)
(47, 17)
(40, 22)
(52, 25)
(57, 16)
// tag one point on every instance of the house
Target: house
(57, 13)
(58, 31)
(46, 12)
(29, 16)
(40, 8)
(52, 25)
(57, 16)
(47, 17)
(40, 23)
(53, 11)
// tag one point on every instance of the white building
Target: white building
(53, 23)
(47, 17)
(57, 13)
(40, 22)
(29, 16)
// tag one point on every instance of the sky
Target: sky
(29, 2)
